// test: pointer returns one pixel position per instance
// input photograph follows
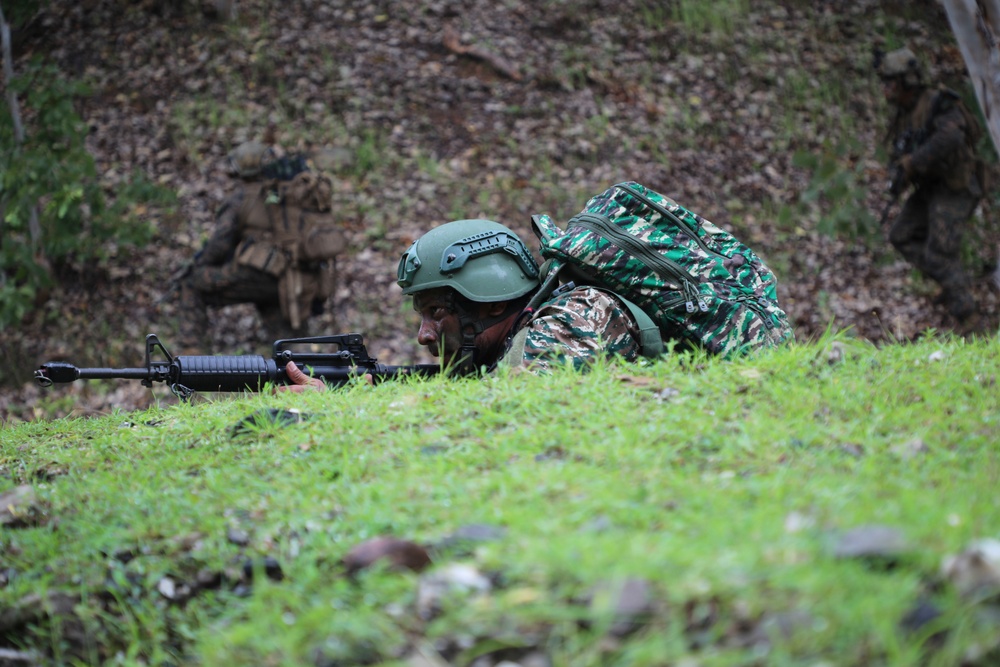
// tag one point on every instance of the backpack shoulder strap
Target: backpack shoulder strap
(514, 356)
(650, 339)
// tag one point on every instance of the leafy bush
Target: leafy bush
(837, 189)
(53, 171)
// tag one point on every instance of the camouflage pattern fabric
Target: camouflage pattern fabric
(934, 140)
(928, 234)
(697, 282)
(226, 285)
(218, 280)
(576, 327)
(228, 232)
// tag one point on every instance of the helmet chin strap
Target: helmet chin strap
(471, 326)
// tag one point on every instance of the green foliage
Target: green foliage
(717, 18)
(837, 190)
(53, 171)
(697, 475)
(18, 12)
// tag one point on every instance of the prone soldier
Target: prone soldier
(477, 309)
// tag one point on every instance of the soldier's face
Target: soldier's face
(441, 330)
(890, 89)
(896, 93)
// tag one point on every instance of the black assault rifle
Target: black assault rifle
(188, 374)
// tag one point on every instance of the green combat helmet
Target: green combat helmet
(247, 159)
(901, 63)
(480, 259)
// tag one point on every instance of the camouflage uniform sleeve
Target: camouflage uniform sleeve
(581, 325)
(946, 139)
(222, 244)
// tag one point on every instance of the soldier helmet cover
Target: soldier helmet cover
(903, 64)
(482, 260)
(247, 159)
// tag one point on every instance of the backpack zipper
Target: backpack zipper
(759, 310)
(663, 266)
(672, 216)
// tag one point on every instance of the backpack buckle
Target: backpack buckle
(562, 289)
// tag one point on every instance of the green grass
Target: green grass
(718, 17)
(721, 484)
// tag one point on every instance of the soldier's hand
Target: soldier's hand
(300, 381)
(181, 272)
(898, 182)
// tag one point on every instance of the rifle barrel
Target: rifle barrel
(230, 373)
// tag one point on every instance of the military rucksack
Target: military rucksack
(290, 233)
(289, 218)
(697, 283)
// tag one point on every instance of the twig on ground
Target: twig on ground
(451, 41)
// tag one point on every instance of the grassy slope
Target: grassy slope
(722, 484)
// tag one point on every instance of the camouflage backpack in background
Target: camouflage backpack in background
(695, 281)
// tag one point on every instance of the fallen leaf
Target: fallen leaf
(401, 554)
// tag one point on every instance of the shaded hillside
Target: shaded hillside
(433, 111)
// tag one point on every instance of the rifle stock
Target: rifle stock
(186, 374)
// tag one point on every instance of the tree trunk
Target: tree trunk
(976, 24)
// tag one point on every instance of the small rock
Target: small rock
(976, 571)
(421, 657)
(796, 522)
(238, 537)
(167, 588)
(911, 449)
(853, 449)
(599, 524)
(835, 352)
(918, 616)
(18, 507)
(452, 579)
(630, 601)
(12, 658)
(871, 541)
(477, 532)
(536, 659)
(271, 566)
(778, 626)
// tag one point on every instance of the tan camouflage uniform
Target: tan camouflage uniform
(217, 280)
(578, 327)
(933, 142)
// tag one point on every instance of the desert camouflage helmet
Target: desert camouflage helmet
(247, 159)
(482, 260)
(901, 63)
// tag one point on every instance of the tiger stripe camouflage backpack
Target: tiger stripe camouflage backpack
(695, 281)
